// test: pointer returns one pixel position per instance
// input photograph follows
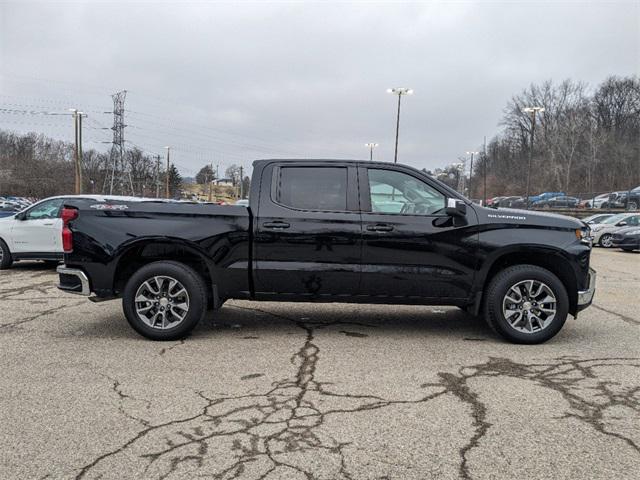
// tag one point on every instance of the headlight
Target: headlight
(633, 232)
(584, 235)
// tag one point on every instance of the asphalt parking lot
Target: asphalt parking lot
(288, 391)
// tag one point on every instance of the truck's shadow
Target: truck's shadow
(252, 321)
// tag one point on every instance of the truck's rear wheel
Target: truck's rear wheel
(164, 300)
(526, 304)
(5, 256)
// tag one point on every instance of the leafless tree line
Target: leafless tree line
(584, 141)
(33, 165)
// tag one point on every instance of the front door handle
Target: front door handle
(380, 227)
(276, 225)
(47, 224)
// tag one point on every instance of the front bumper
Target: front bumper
(585, 297)
(73, 280)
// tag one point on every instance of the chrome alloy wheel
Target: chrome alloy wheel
(162, 302)
(606, 240)
(529, 306)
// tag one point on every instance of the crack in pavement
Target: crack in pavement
(14, 292)
(166, 349)
(624, 318)
(49, 311)
(274, 431)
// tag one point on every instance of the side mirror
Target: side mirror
(21, 216)
(456, 208)
(622, 223)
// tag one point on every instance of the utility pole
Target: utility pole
(371, 147)
(157, 176)
(211, 184)
(79, 165)
(533, 111)
(484, 171)
(471, 172)
(399, 91)
(77, 150)
(167, 174)
(241, 183)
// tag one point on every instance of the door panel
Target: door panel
(303, 244)
(41, 229)
(410, 248)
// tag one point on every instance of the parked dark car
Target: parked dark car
(557, 202)
(628, 239)
(330, 231)
(8, 208)
(623, 199)
(545, 196)
(513, 202)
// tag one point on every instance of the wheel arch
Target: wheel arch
(144, 251)
(551, 259)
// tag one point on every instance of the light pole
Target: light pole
(399, 91)
(371, 147)
(532, 111)
(471, 171)
(166, 180)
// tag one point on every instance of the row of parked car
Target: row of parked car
(10, 205)
(628, 200)
(620, 230)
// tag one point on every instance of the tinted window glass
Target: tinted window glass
(47, 210)
(313, 188)
(396, 192)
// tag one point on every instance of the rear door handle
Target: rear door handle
(276, 225)
(380, 227)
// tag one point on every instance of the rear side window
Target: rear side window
(313, 188)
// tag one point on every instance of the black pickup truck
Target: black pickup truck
(330, 231)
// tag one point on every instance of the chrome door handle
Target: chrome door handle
(380, 227)
(276, 225)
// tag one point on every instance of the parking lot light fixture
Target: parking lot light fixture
(371, 146)
(532, 111)
(399, 91)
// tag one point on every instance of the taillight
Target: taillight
(68, 214)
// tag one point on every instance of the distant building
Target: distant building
(224, 182)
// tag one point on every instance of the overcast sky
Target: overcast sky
(232, 82)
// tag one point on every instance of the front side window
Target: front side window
(46, 210)
(313, 188)
(399, 193)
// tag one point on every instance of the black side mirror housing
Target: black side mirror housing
(456, 208)
(21, 216)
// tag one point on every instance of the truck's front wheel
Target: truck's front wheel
(526, 304)
(164, 300)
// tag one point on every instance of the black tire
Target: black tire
(6, 260)
(606, 240)
(193, 284)
(498, 288)
(633, 205)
